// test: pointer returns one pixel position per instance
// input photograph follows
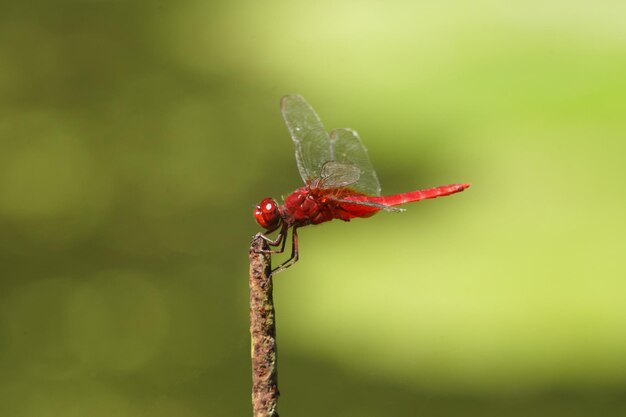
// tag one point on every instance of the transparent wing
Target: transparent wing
(315, 149)
(308, 134)
(346, 148)
(335, 174)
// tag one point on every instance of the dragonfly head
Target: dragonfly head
(267, 214)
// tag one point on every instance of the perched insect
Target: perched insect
(340, 181)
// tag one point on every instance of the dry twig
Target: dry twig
(263, 332)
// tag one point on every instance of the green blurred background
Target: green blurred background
(136, 138)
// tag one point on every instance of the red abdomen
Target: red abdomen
(413, 196)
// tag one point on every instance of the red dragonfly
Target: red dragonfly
(340, 181)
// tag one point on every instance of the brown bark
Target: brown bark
(263, 333)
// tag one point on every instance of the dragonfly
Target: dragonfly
(340, 181)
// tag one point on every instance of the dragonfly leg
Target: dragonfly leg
(280, 240)
(294, 254)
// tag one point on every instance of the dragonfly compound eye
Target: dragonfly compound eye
(267, 214)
